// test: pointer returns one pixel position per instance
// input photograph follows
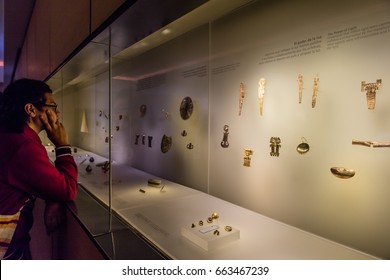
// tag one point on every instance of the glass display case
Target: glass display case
(246, 129)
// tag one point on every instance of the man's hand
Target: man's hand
(55, 130)
(54, 216)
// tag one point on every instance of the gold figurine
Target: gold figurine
(315, 91)
(247, 157)
(241, 99)
(370, 90)
(275, 146)
(300, 87)
(261, 91)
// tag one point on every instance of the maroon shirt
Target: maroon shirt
(26, 172)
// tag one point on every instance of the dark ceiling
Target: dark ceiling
(17, 15)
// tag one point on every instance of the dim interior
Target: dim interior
(132, 106)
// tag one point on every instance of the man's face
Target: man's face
(48, 104)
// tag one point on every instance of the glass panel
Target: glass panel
(148, 90)
(212, 105)
(82, 90)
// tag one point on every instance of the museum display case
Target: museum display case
(241, 130)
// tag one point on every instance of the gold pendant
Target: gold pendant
(261, 91)
(247, 157)
(370, 90)
(316, 85)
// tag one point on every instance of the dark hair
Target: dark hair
(13, 116)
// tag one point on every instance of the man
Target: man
(27, 107)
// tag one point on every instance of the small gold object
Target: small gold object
(142, 110)
(154, 182)
(342, 172)
(216, 232)
(304, 147)
(190, 146)
(141, 190)
(228, 228)
(370, 90)
(193, 225)
(316, 85)
(201, 223)
(209, 220)
(215, 215)
(224, 142)
(247, 157)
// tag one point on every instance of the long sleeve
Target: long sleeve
(31, 171)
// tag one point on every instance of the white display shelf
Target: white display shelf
(161, 215)
(210, 236)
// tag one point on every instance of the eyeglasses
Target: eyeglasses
(51, 106)
(54, 106)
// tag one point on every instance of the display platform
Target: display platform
(164, 217)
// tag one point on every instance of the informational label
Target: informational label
(208, 229)
(332, 40)
(339, 37)
(225, 68)
(151, 82)
(298, 48)
(200, 71)
(151, 224)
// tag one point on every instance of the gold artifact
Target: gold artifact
(303, 147)
(209, 220)
(166, 143)
(241, 99)
(215, 215)
(165, 113)
(225, 143)
(216, 232)
(261, 91)
(228, 228)
(201, 223)
(370, 90)
(342, 172)
(186, 108)
(88, 168)
(371, 144)
(300, 87)
(154, 182)
(142, 110)
(315, 91)
(247, 157)
(190, 146)
(275, 146)
(193, 225)
(104, 165)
